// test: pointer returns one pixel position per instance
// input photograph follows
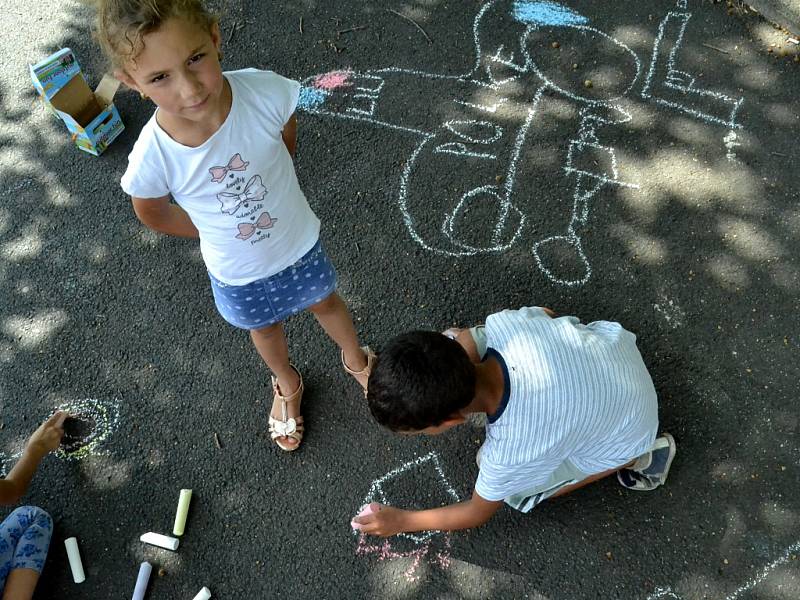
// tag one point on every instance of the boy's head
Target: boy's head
(420, 383)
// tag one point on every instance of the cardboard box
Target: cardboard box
(90, 116)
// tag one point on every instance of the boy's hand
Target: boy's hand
(48, 436)
(384, 521)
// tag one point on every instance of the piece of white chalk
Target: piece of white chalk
(365, 510)
(74, 557)
(203, 594)
(162, 541)
(141, 581)
(183, 510)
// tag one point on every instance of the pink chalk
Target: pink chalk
(332, 80)
(365, 510)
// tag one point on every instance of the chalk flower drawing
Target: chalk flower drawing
(98, 420)
(513, 81)
(422, 543)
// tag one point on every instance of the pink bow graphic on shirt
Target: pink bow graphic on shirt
(253, 192)
(246, 230)
(234, 164)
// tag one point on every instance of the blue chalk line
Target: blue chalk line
(546, 13)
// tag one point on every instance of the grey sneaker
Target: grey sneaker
(650, 470)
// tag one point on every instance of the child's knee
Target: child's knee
(268, 331)
(328, 304)
(30, 516)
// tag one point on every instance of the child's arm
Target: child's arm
(387, 520)
(289, 134)
(44, 440)
(159, 214)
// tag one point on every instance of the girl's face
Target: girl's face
(178, 68)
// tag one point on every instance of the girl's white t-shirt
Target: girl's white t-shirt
(239, 187)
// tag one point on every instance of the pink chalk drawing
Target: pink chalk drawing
(431, 545)
(384, 551)
(332, 80)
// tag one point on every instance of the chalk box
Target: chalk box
(91, 117)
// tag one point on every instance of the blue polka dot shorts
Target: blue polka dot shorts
(270, 300)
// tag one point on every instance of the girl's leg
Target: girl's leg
(335, 319)
(20, 584)
(25, 538)
(271, 345)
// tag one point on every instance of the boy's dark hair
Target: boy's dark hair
(419, 380)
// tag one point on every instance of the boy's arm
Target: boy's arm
(464, 337)
(289, 134)
(45, 439)
(387, 520)
(161, 215)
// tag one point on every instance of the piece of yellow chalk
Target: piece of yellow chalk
(183, 510)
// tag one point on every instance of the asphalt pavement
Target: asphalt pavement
(623, 161)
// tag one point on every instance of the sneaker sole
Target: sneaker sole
(673, 450)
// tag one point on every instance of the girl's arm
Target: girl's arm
(387, 520)
(289, 134)
(44, 440)
(161, 215)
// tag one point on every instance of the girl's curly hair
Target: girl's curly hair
(121, 24)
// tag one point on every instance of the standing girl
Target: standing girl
(221, 146)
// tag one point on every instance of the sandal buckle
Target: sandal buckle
(285, 428)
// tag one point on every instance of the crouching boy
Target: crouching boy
(566, 404)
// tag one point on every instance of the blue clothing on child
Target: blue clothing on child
(272, 299)
(24, 540)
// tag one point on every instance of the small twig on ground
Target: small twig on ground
(430, 41)
(359, 28)
(236, 26)
(715, 48)
(301, 25)
(217, 442)
(778, 154)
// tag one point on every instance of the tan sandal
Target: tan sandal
(365, 372)
(291, 427)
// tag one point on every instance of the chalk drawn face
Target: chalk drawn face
(424, 473)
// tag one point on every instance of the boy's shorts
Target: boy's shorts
(564, 475)
(267, 301)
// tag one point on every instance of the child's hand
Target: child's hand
(48, 436)
(383, 521)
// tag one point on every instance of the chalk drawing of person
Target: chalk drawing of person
(488, 131)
